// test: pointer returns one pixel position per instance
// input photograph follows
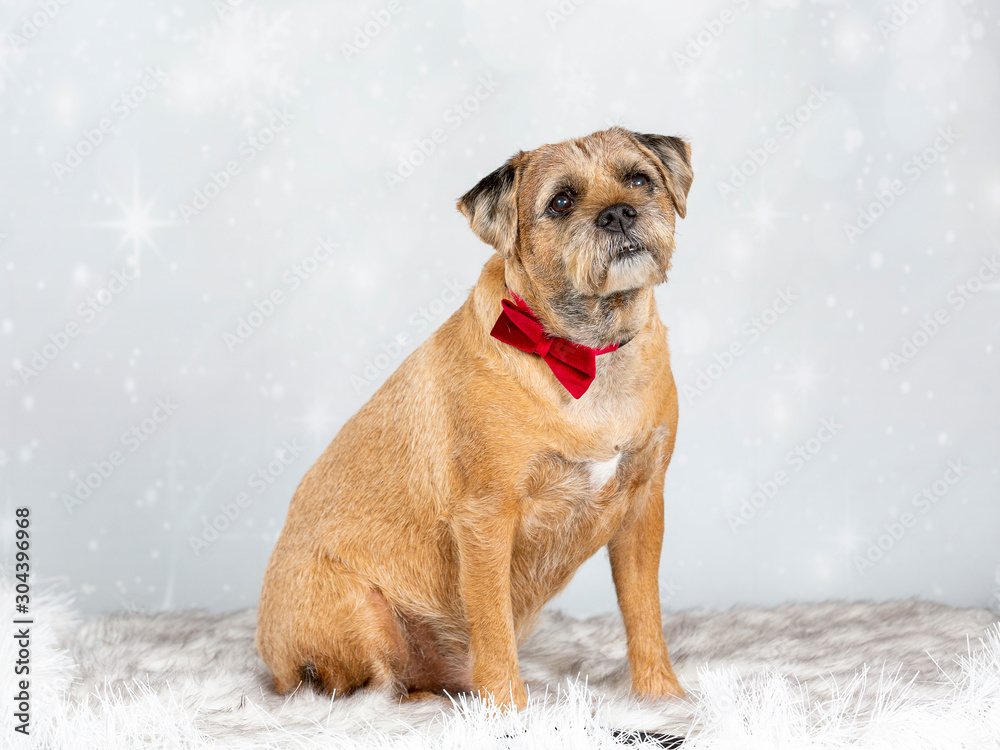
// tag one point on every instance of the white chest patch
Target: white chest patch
(602, 471)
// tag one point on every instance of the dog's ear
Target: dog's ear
(674, 157)
(491, 206)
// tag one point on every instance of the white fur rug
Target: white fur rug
(835, 675)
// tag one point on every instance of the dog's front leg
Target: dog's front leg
(635, 560)
(485, 537)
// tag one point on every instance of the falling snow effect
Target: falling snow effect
(111, 297)
(241, 63)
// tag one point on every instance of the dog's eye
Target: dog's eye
(561, 203)
(638, 180)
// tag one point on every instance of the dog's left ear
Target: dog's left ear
(491, 207)
(674, 157)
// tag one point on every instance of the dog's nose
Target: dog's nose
(617, 218)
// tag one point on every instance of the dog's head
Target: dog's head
(592, 216)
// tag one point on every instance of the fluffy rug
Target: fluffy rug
(897, 675)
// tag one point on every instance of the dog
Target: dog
(533, 428)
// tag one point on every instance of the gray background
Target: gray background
(738, 79)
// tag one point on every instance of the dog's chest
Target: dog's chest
(601, 472)
(572, 500)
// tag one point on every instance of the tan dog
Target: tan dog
(464, 495)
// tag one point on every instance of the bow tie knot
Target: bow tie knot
(543, 346)
(574, 365)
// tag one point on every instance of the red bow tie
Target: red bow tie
(574, 365)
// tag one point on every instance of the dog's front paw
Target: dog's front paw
(659, 684)
(512, 697)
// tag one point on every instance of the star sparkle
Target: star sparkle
(763, 215)
(136, 224)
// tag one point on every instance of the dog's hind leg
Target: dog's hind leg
(322, 624)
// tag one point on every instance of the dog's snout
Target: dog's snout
(617, 218)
